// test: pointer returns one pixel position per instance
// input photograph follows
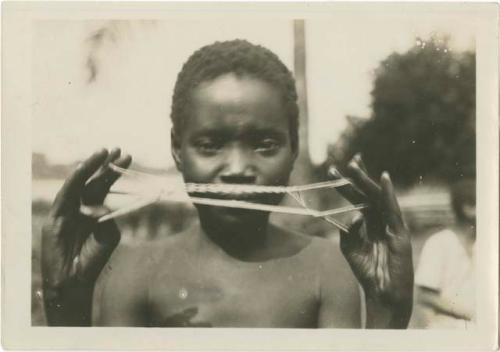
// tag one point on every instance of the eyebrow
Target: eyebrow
(252, 132)
(268, 132)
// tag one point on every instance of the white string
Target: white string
(224, 188)
(332, 221)
(236, 189)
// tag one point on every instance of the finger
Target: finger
(69, 194)
(363, 181)
(108, 176)
(349, 191)
(97, 249)
(390, 206)
(375, 223)
(360, 162)
(97, 190)
(353, 238)
(113, 155)
(123, 162)
(355, 196)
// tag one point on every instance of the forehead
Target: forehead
(233, 100)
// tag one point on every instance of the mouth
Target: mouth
(252, 198)
(224, 194)
(234, 210)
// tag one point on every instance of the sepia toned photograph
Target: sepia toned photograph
(275, 171)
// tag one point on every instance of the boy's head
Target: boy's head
(242, 59)
(235, 120)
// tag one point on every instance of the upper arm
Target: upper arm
(424, 311)
(426, 297)
(429, 272)
(120, 295)
(340, 304)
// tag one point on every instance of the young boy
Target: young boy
(235, 118)
(446, 273)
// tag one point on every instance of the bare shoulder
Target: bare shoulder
(121, 294)
(306, 245)
(331, 261)
(140, 258)
(336, 279)
(131, 265)
(339, 292)
(331, 264)
(334, 261)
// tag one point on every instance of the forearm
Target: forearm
(68, 305)
(444, 306)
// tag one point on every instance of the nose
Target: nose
(238, 168)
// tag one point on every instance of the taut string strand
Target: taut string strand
(229, 189)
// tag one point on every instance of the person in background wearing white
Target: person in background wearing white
(445, 277)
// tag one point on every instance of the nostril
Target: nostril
(238, 179)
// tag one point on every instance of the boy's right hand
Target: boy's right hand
(75, 247)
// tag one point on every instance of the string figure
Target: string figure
(199, 193)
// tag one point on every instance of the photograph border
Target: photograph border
(17, 332)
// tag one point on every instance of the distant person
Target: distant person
(445, 277)
(235, 121)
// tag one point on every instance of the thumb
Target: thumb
(97, 249)
(353, 237)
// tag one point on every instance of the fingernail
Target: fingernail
(354, 164)
(332, 171)
(386, 175)
(357, 157)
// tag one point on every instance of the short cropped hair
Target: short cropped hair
(241, 58)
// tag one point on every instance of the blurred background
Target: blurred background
(398, 89)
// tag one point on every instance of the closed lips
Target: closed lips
(255, 198)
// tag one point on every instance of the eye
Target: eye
(208, 146)
(267, 146)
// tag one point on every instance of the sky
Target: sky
(102, 83)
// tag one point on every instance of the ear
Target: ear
(175, 147)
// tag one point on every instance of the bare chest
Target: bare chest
(231, 294)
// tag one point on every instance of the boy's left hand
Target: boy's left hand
(378, 248)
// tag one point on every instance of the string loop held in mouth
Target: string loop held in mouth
(224, 188)
(173, 195)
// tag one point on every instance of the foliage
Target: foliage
(423, 116)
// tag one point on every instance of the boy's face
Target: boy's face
(237, 132)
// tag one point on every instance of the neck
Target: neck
(241, 240)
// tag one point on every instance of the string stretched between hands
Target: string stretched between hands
(169, 194)
(225, 188)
